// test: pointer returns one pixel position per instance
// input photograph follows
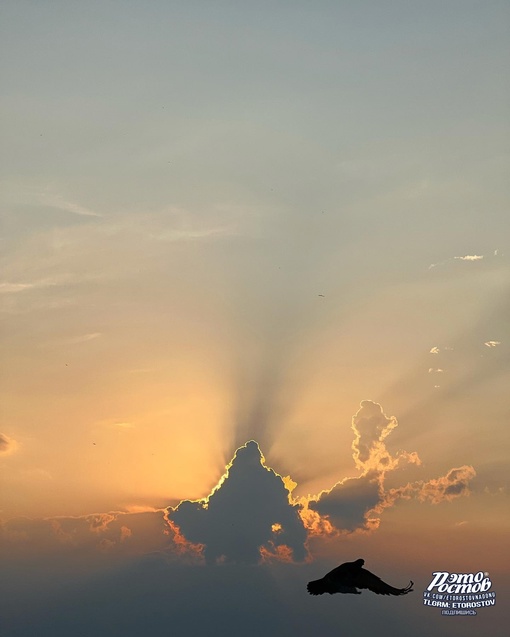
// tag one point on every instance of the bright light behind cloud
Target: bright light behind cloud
(251, 516)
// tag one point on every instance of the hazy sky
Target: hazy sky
(228, 221)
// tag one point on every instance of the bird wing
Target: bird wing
(366, 579)
(337, 573)
(346, 570)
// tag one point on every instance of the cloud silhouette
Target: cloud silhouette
(251, 515)
(346, 506)
(247, 517)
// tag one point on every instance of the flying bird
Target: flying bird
(348, 577)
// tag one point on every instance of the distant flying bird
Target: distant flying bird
(348, 577)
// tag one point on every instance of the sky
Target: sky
(255, 312)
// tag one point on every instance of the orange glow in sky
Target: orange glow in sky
(254, 285)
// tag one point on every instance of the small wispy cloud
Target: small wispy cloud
(13, 288)
(470, 257)
(492, 343)
(112, 423)
(466, 257)
(8, 287)
(58, 201)
(434, 350)
(436, 370)
(7, 445)
(85, 338)
(191, 234)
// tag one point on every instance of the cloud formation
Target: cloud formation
(84, 338)
(7, 287)
(56, 200)
(467, 257)
(250, 516)
(470, 257)
(115, 533)
(355, 504)
(7, 445)
(247, 517)
(346, 507)
(371, 427)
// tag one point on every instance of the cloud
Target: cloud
(85, 338)
(435, 350)
(443, 489)
(194, 233)
(346, 506)
(250, 516)
(355, 504)
(13, 288)
(247, 516)
(58, 201)
(47, 196)
(492, 343)
(117, 533)
(470, 257)
(467, 257)
(124, 425)
(371, 427)
(7, 445)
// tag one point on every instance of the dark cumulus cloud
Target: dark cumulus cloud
(250, 516)
(348, 504)
(247, 518)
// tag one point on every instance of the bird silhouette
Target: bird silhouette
(348, 577)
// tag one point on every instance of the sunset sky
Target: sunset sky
(281, 222)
